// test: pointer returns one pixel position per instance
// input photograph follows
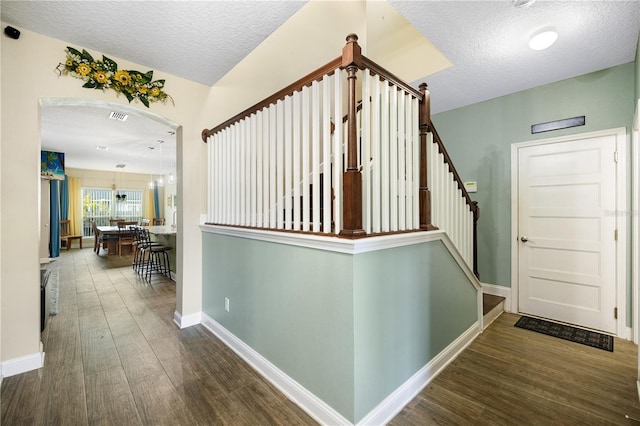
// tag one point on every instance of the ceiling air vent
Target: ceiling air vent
(120, 166)
(118, 116)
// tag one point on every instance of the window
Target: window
(101, 204)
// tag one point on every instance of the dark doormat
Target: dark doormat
(566, 332)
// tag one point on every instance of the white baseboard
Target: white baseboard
(310, 403)
(395, 402)
(22, 364)
(491, 316)
(498, 290)
(318, 409)
(184, 321)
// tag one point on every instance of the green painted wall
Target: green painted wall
(638, 70)
(349, 328)
(479, 137)
(410, 304)
(292, 305)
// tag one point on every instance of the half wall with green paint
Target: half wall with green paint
(350, 328)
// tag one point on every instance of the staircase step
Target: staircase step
(490, 301)
(492, 307)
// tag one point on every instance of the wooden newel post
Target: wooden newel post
(352, 178)
(425, 128)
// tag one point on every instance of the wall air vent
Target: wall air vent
(120, 166)
(118, 116)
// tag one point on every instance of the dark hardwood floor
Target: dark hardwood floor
(114, 357)
(511, 376)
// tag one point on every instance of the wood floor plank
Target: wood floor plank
(88, 299)
(61, 398)
(110, 300)
(63, 349)
(260, 405)
(98, 351)
(140, 366)
(19, 398)
(159, 403)
(132, 344)
(109, 399)
(121, 322)
(92, 319)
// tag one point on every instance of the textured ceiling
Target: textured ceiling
(486, 41)
(197, 40)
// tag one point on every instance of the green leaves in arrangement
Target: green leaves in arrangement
(105, 74)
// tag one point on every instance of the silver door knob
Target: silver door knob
(524, 239)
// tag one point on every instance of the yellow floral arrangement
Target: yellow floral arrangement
(105, 74)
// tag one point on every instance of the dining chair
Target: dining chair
(65, 235)
(158, 221)
(97, 238)
(146, 222)
(126, 235)
(115, 221)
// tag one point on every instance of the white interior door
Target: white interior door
(567, 231)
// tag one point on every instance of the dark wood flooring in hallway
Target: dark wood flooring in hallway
(115, 357)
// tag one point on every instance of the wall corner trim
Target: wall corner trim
(310, 403)
(395, 402)
(22, 364)
(318, 409)
(184, 321)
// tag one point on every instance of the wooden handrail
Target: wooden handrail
(472, 205)
(329, 68)
(317, 75)
(388, 76)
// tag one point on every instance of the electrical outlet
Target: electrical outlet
(226, 304)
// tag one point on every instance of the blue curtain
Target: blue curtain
(64, 198)
(54, 219)
(156, 201)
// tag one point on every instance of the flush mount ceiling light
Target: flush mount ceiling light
(543, 39)
(523, 4)
(102, 147)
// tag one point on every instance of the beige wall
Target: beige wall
(27, 76)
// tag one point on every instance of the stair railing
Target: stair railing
(453, 210)
(347, 150)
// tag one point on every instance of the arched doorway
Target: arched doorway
(115, 138)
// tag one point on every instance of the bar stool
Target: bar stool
(154, 257)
